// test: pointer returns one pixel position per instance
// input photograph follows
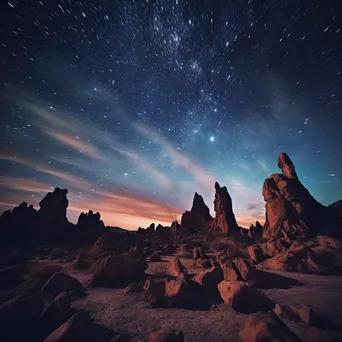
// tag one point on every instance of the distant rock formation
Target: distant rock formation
(255, 231)
(53, 207)
(91, 224)
(197, 218)
(175, 227)
(291, 211)
(225, 218)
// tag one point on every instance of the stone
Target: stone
(178, 292)
(204, 263)
(175, 227)
(255, 232)
(230, 271)
(256, 253)
(165, 336)
(313, 334)
(209, 279)
(245, 269)
(155, 292)
(242, 297)
(134, 287)
(175, 267)
(294, 312)
(329, 242)
(116, 270)
(91, 223)
(77, 328)
(61, 282)
(261, 327)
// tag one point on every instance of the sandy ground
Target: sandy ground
(130, 315)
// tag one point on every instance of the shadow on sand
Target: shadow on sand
(270, 280)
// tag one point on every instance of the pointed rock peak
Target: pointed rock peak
(286, 166)
(217, 186)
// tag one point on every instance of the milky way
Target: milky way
(135, 105)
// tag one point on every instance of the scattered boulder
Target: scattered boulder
(57, 313)
(175, 267)
(75, 329)
(260, 327)
(81, 263)
(166, 336)
(61, 282)
(209, 279)
(243, 298)
(295, 312)
(230, 271)
(155, 292)
(178, 292)
(256, 253)
(116, 270)
(204, 263)
(245, 269)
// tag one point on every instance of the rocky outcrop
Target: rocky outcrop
(224, 215)
(175, 227)
(337, 206)
(116, 270)
(291, 211)
(175, 267)
(91, 223)
(53, 207)
(295, 312)
(197, 218)
(255, 231)
(155, 292)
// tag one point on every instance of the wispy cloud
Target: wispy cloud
(24, 184)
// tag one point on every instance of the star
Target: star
(212, 139)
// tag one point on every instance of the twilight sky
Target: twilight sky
(135, 105)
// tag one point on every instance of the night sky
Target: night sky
(135, 105)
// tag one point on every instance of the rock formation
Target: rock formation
(91, 223)
(53, 207)
(291, 211)
(225, 218)
(198, 217)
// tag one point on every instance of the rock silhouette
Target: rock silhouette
(197, 218)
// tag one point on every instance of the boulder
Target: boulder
(178, 292)
(165, 336)
(77, 328)
(261, 327)
(313, 334)
(256, 253)
(155, 257)
(81, 263)
(209, 279)
(134, 287)
(242, 297)
(197, 218)
(230, 271)
(245, 269)
(155, 292)
(116, 270)
(61, 282)
(57, 313)
(204, 263)
(295, 312)
(175, 267)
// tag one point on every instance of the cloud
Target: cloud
(24, 184)
(181, 160)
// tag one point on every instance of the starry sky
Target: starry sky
(134, 105)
